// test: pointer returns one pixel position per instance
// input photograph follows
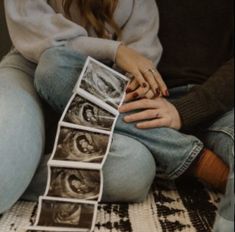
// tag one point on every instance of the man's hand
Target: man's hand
(155, 113)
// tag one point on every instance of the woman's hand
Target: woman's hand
(154, 113)
(135, 91)
(143, 72)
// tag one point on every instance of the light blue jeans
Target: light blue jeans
(135, 157)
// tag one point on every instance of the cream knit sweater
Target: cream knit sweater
(37, 25)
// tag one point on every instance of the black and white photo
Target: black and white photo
(81, 146)
(104, 84)
(84, 136)
(74, 183)
(85, 113)
(64, 214)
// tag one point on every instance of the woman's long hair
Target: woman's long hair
(96, 13)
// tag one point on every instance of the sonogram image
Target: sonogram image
(85, 113)
(82, 146)
(104, 84)
(75, 183)
(66, 214)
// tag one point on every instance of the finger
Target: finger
(144, 115)
(140, 79)
(139, 93)
(162, 84)
(139, 104)
(157, 123)
(149, 76)
(129, 97)
(132, 86)
(150, 94)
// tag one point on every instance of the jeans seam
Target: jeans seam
(226, 130)
(188, 162)
(17, 68)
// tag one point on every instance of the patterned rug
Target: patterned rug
(185, 206)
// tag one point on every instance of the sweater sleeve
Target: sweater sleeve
(34, 27)
(213, 98)
(141, 31)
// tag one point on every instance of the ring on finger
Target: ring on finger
(152, 70)
(154, 73)
(148, 70)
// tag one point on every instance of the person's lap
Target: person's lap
(52, 78)
(22, 144)
(166, 140)
(122, 158)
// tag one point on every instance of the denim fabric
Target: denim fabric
(134, 155)
(21, 128)
(173, 151)
(55, 84)
(220, 138)
(55, 78)
(123, 180)
(22, 136)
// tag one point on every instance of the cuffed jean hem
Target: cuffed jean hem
(187, 163)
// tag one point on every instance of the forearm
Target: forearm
(141, 31)
(38, 27)
(213, 98)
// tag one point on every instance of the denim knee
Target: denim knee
(174, 152)
(21, 135)
(56, 75)
(129, 171)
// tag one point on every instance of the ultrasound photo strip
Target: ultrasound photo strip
(83, 141)
(103, 82)
(64, 215)
(80, 147)
(70, 183)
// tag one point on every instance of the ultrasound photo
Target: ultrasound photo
(66, 214)
(84, 113)
(81, 146)
(104, 84)
(74, 183)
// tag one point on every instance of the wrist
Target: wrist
(118, 51)
(180, 121)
